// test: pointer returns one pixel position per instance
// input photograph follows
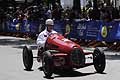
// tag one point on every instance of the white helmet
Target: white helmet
(49, 22)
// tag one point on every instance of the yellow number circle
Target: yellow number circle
(67, 28)
(18, 26)
(104, 32)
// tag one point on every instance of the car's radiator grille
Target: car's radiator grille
(77, 57)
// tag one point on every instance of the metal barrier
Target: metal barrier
(110, 31)
(81, 29)
(97, 30)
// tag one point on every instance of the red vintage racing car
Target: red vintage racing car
(62, 53)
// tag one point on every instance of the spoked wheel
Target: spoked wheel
(99, 60)
(27, 58)
(47, 64)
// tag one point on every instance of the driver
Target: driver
(44, 34)
(41, 39)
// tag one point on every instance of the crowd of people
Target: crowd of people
(56, 12)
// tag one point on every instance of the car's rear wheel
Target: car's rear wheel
(47, 64)
(99, 60)
(27, 58)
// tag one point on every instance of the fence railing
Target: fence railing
(81, 29)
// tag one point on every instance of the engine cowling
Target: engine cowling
(58, 42)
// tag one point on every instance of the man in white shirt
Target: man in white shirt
(41, 40)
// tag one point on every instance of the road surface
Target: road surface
(12, 68)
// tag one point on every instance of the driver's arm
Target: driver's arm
(41, 40)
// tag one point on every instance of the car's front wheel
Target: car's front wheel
(47, 64)
(99, 60)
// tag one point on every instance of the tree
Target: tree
(77, 5)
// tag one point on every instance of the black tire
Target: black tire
(99, 60)
(47, 64)
(27, 58)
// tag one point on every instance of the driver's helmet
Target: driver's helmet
(49, 22)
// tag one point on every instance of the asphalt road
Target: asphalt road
(12, 68)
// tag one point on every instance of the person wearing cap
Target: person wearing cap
(44, 34)
(42, 37)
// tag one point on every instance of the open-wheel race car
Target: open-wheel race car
(62, 53)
